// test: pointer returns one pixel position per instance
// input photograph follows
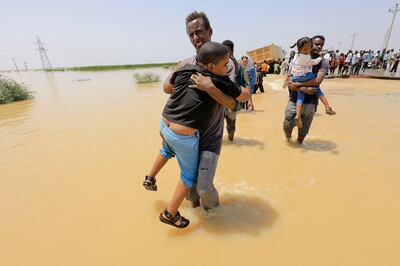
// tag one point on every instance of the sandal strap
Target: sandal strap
(172, 218)
(149, 180)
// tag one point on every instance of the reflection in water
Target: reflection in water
(52, 84)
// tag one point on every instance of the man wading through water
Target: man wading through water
(199, 32)
(310, 100)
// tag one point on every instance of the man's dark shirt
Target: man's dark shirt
(192, 107)
(312, 98)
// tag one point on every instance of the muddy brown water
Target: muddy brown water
(73, 160)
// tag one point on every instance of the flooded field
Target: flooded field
(73, 160)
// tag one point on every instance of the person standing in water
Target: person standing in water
(199, 32)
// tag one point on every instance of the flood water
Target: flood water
(73, 161)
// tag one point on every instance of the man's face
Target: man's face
(318, 44)
(197, 33)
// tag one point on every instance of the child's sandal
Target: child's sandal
(172, 220)
(150, 183)
(329, 111)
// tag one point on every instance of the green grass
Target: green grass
(11, 91)
(146, 77)
(114, 67)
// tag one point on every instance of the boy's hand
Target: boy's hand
(202, 83)
(287, 82)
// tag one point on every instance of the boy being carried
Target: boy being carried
(187, 112)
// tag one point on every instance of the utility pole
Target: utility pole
(354, 35)
(15, 64)
(43, 56)
(387, 38)
(340, 42)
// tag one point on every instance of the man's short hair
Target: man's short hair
(211, 52)
(228, 43)
(195, 15)
(318, 37)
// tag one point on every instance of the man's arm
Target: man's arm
(246, 91)
(205, 84)
(311, 83)
(167, 86)
(244, 95)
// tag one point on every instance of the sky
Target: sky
(83, 33)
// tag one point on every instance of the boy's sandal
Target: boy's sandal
(330, 111)
(150, 183)
(172, 220)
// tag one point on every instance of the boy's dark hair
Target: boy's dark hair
(228, 43)
(318, 37)
(195, 15)
(301, 42)
(211, 52)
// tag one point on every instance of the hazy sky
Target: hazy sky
(79, 33)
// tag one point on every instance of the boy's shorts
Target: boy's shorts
(186, 150)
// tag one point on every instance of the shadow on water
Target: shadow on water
(237, 214)
(246, 112)
(315, 145)
(243, 142)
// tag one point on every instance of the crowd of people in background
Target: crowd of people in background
(343, 64)
(352, 62)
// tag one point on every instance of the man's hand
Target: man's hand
(308, 90)
(202, 83)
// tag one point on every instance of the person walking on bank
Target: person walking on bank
(259, 83)
(396, 62)
(264, 68)
(251, 73)
(242, 80)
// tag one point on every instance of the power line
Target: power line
(389, 31)
(15, 64)
(354, 35)
(43, 56)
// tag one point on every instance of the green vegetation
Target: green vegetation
(146, 77)
(11, 91)
(115, 67)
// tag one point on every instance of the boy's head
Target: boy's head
(304, 45)
(214, 57)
